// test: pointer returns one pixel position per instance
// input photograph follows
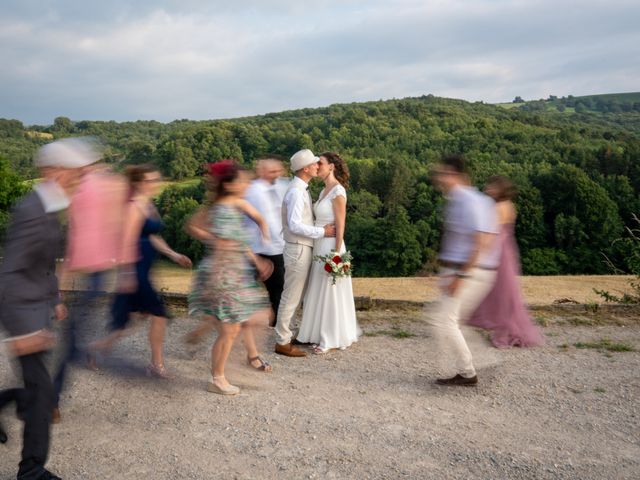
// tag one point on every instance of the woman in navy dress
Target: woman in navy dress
(142, 243)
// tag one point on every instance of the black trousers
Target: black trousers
(34, 404)
(275, 283)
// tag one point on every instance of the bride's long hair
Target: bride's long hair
(340, 169)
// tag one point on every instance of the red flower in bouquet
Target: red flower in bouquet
(336, 265)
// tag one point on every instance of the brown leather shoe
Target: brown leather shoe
(55, 416)
(289, 350)
(459, 381)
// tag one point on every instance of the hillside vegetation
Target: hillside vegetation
(578, 172)
(606, 103)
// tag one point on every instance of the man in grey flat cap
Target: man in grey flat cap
(299, 232)
(29, 295)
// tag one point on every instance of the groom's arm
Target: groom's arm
(295, 207)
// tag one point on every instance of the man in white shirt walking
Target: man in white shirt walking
(298, 232)
(468, 258)
(264, 196)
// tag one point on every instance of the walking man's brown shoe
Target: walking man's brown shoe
(289, 350)
(55, 416)
(458, 380)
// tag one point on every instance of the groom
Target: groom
(299, 232)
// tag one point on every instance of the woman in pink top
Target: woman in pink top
(503, 311)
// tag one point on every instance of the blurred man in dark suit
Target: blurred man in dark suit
(29, 296)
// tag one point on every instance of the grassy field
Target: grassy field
(509, 105)
(551, 105)
(188, 182)
(537, 290)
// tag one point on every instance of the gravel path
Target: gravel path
(370, 412)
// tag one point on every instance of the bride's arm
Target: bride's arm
(339, 204)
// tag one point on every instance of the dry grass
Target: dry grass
(537, 290)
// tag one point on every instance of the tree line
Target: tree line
(578, 173)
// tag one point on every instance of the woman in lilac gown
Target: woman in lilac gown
(503, 311)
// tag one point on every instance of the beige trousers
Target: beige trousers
(297, 263)
(450, 311)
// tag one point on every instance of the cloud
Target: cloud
(212, 59)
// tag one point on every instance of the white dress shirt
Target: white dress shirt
(265, 198)
(295, 200)
(52, 195)
(467, 212)
(281, 185)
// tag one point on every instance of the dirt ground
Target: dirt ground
(370, 412)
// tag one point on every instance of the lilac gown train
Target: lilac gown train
(503, 310)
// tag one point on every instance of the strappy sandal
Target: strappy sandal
(264, 365)
(158, 371)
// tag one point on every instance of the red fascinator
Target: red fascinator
(222, 168)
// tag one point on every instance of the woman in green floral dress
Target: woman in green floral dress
(227, 288)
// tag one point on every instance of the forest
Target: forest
(577, 170)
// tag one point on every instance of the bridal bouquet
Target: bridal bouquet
(336, 264)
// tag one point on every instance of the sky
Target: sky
(208, 59)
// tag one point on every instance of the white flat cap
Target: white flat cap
(302, 159)
(68, 153)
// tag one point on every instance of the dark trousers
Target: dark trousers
(275, 283)
(34, 404)
(71, 351)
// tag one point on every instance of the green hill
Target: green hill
(420, 128)
(578, 171)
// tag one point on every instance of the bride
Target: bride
(329, 314)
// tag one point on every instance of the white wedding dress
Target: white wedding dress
(329, 313)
